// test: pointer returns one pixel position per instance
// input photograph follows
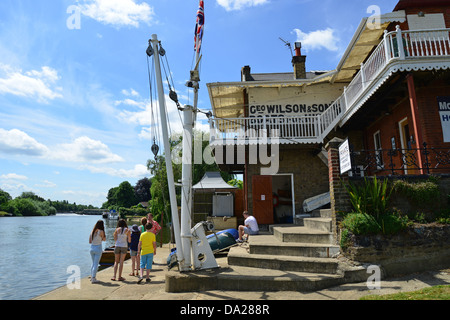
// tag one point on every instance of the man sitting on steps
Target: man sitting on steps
(250, 226)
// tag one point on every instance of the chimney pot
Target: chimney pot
(298, 49)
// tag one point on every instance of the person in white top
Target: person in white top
(250, 226)
(122, 236)
(95, 239)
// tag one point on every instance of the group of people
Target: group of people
(140, 240)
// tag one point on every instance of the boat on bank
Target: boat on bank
(108, 257)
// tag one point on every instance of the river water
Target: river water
(35, 252)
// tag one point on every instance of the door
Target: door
(262, 199)
(406, 138)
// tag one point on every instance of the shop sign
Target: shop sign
(444, 114)
(344, 157)
(281, 110)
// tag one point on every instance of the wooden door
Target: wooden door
(262, 199)
(409, 156)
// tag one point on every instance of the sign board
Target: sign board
(344, 157)
(444, 114)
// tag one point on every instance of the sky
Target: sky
(75, 109)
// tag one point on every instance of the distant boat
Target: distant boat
(108, 257)
(112, 215)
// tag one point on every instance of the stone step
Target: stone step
(302, 235)
(323, 224)
(270, 245)
(237, 278)
(321, 213)
(239, 256)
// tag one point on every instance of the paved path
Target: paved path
(107, 289)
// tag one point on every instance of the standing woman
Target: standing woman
(95, 239)
(122, 236)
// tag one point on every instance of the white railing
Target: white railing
(415, 45)
(288, 127)
(314, 127)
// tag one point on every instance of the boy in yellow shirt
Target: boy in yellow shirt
(147, 249)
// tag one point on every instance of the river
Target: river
(36, 252)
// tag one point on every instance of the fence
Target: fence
(401, 161)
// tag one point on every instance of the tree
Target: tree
(142, 190)
(125, 195)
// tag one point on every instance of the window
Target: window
(378, 150)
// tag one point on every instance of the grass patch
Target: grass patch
(432, 293)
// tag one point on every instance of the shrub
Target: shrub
(361, 224)
(422, 194)
(392, 224)
(371, 198)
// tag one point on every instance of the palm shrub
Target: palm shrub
(371, 198)
(371, 214)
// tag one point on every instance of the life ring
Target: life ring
(276, 200)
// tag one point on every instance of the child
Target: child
(135, 235)
(147, 249)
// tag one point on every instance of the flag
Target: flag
(199, 26)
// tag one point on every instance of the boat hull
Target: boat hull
(108, 257)
(218, 242)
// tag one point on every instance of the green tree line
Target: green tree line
(30, 204)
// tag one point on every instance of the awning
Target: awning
(212, 180)
(366, 39)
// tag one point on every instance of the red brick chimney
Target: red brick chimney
(299, 62)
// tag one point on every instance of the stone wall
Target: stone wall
(417, 249)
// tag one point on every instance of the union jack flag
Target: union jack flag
(199, 26)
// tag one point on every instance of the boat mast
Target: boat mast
(170, 177)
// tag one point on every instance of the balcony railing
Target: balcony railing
(416, 47)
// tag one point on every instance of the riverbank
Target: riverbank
(107, 289)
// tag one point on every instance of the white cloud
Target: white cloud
(231, 5)
(318, 39)
(32, 84)
(12, 176)
(85, 149)
(46, 184)
(17, 142)
(118, 12)
(139, 171)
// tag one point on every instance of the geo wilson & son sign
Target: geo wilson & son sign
(282, 110)
(444, 114)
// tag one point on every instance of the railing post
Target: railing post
(387, 46)
(401, 49)
(363, 76)
(345, 98)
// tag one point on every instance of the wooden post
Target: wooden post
(415, 115)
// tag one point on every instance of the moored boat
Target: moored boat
(108, 257)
